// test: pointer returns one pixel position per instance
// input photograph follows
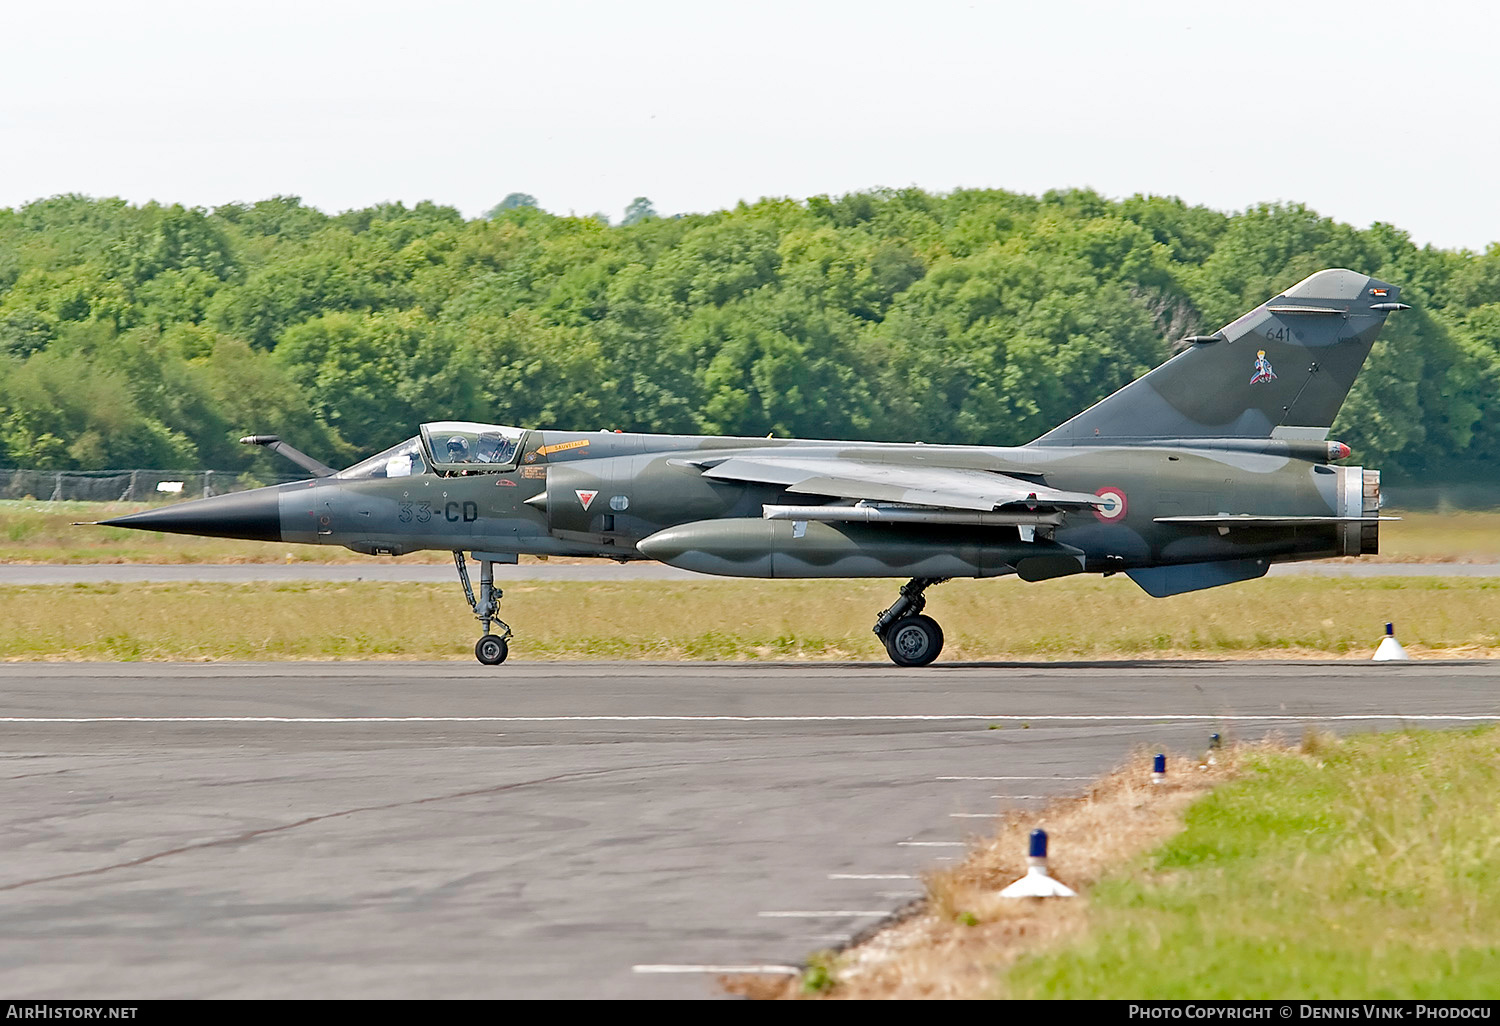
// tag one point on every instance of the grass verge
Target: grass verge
(730, 620)
(1364, 868)
(1357, 869)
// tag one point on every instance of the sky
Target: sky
(1366, 112)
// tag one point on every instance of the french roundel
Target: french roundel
(1115, 511)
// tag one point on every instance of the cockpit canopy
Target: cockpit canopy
(460, 444)
(446, 446)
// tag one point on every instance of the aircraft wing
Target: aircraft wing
(942, 487)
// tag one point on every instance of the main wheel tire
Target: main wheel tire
(913, 641)
(491, 650)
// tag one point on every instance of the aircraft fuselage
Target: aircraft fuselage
(604, 494)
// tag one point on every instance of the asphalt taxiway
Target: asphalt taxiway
(444, 830)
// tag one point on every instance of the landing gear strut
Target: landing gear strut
(492, 648)
(910, 638)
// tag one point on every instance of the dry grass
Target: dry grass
(965, 933)
(1304, 617)
(1439, 538)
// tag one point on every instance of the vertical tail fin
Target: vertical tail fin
(1280, 371)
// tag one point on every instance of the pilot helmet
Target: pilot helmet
(458, 449)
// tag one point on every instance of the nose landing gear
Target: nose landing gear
(910, 638)
(491, 649)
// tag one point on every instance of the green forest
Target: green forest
(155, 336)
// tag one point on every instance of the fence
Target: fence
(128, 485)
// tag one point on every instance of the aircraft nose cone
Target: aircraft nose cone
(254, 515)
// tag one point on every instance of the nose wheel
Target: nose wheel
(910, 638)
(491, 649)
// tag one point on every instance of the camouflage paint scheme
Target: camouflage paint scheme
(1202, 472)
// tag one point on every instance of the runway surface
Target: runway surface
(443, 830)
(374, 570)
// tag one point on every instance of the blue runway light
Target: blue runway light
(1037, 883)
(1215, 742)
(1389, 648)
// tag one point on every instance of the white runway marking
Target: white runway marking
(872, 876)
(933, 844)
(972, 815)
(1015, 778)
(1029, 797)
(784, 970)
(891, 718)
(823, 914)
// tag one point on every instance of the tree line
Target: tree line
(155, 336)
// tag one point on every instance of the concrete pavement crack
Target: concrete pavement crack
(250, 835)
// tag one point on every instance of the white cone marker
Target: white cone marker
(1390, 649)
(1159, 769)
(1036, 883)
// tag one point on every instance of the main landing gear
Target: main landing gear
(492, 648)
(910, 638)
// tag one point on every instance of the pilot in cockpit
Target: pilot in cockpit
(458, 450)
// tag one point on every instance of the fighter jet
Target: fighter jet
(1203, 472)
